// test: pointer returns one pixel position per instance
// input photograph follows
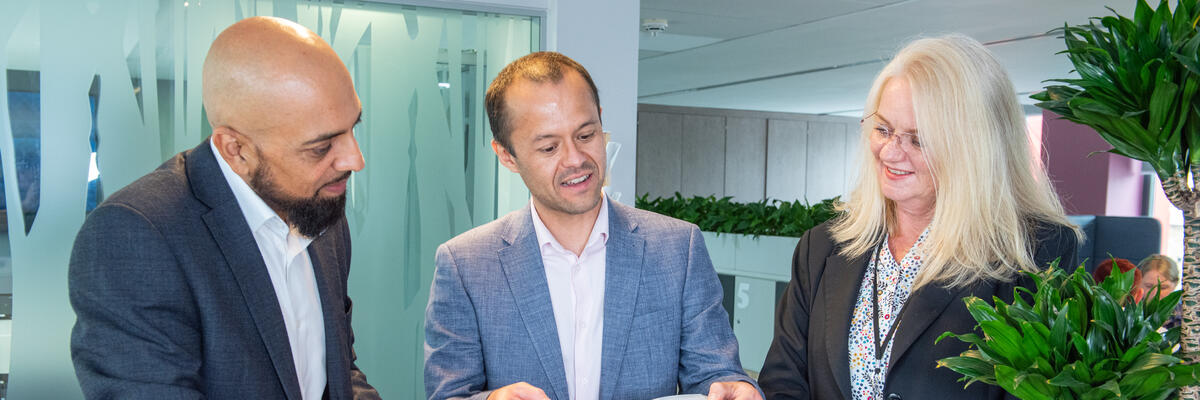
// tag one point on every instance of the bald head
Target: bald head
(283, 110)
(263, 70)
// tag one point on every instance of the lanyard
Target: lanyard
(880, 347)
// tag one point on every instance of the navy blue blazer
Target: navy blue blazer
(490, 322)
(173, 300)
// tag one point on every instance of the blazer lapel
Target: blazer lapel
(924, 306)
(521, 262)
(622, 278)
(841, 281)
(325, 263)
(229, 229)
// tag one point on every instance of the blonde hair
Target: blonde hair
(1165, 266)
(990, 194)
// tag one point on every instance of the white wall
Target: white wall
(603, 36)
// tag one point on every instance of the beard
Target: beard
(310, 215)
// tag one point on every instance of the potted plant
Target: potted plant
(1137, 87)
(1074, 338)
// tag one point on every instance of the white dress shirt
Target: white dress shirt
(577, 296)
(284, 251)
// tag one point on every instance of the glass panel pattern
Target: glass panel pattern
(98, 93)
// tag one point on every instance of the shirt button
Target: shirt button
(894, 396)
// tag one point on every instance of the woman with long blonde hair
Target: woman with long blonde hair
(949, 204)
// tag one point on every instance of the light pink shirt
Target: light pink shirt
(577, 296)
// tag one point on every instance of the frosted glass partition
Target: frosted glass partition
(99, 93)
(430, 172)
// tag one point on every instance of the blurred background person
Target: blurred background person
(949, 204)
(1156, 270)
(1159, 269)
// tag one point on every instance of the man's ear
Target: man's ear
(234, 148)
(507, 159)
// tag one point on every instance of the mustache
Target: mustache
(339, 179)
(587, 167)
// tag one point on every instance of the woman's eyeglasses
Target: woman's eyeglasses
(882, 134)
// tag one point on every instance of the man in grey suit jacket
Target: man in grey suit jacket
(573, 297)
(222, 274)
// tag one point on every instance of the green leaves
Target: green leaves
(774, 217)
(1137, 84)
(1025, 385)
(970, 367)
(1073, 338)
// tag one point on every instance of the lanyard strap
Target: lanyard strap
(880, 347)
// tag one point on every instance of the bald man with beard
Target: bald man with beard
(222, 274)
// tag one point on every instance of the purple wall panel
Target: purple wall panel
(1101, 183)
(1124, 186)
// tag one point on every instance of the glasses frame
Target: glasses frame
(910, 144)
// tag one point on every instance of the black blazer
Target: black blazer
(809, 358)
(173, 300)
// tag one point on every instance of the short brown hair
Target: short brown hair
(539, 67)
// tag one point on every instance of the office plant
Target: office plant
(1074, 338)
(1137, 87)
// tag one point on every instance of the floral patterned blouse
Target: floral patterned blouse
(867, 374)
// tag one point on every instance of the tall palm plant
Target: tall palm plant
(1137, 87)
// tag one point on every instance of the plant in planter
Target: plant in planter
(1137, 87)
(1078, 339)
(764, 217)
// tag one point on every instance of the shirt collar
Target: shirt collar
(599, 235)
(254, 209)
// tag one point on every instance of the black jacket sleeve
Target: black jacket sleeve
(784, 373)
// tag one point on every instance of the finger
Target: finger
(746, 391)
(717, 391)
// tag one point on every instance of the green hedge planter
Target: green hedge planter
(766, 217)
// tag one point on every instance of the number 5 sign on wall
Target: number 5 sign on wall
(743, 294)
(753, 318)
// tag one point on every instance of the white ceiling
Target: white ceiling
(820, 56)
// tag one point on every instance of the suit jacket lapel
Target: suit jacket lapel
(323, 253)
(229, 229)
(841, 281)
(924, 307)
(622, 278)
(521, 262)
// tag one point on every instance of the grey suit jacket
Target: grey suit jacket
(173, 300)
(490, 323)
